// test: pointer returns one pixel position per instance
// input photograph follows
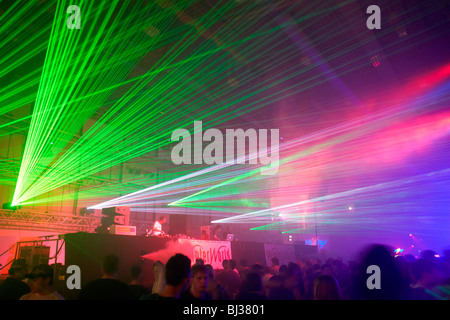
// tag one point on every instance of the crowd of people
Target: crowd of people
(24, 285)
(402, 278)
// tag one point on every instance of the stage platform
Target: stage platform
(87, 250)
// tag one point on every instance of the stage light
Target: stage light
(10, 206)
(57, 117)
(375, 60)
(73, 170)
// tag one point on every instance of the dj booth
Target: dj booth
(87, 251)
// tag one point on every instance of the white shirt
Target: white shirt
(36, 296)
(156, 226)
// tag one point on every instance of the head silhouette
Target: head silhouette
(391, 281)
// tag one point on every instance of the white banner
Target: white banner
(284, 252)
(211, 252)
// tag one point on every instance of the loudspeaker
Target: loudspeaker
(35, 255)
(113, 216)
(121, 215)
(178, 224)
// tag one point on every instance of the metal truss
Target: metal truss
(39, 221)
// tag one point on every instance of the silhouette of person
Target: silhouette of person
(136, 287)
(177, 272)
(107, 287)
(392, 286)
(198, 285)
(326, 288)
(13, 287)
(41, 284)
